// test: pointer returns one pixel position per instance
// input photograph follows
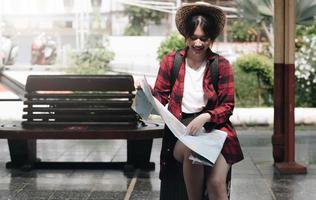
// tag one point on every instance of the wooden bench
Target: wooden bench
(61, 107)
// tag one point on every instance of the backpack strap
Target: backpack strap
(214, 72)
(176, 67)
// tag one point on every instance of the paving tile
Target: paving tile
(246, 188)
(7, 194)
(16, 180)
(112, 185)
(73, 157)
(148, 174)
(11, 186)
(74, 194)
(4, 172)
(106, 195)
(120, 157)
(154, 195)
(99, 156)
(140, 194)
(116, 174)
(145, 195)
(39, 187)
(53, 173)
(34, 194)
(147, 184)
(311, 170)
(253, 178)
(88, 174)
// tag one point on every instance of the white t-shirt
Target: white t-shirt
(193, 100)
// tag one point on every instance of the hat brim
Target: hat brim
(189, 9)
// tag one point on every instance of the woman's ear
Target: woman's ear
(186, 42)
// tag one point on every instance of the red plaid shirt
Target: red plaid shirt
(220, 104)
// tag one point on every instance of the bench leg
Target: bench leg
(22, 153)
(138, 154)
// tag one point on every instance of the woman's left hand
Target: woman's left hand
(197, 123)
(139, 84)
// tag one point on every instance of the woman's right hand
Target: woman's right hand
(197, 123)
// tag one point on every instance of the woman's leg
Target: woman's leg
(193, 174)
(216, 179)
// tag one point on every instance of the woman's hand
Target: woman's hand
(197, 123)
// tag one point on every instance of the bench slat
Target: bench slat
(14, 130)
(79, 103)
(58, 117)
(88, 110)
(63, 124)
(80, 82)
(80, 95)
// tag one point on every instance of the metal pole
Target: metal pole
(110, 18)
(81, 21)
(77, 28)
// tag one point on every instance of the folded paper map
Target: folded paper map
(206, 145)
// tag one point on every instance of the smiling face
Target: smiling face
(198, 42)
(199, 33)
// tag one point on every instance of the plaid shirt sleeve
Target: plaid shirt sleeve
(162, 86)
(224, 109)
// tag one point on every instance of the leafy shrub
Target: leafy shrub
(245, 88)
(174, 42)
(93, 60)
(305, 66)
(241, 31)
(139, 18)
(253, 80)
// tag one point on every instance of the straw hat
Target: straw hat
(203, 8)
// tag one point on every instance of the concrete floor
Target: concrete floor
(253, 178)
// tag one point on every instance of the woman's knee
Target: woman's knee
(181, 152)
(216, 184)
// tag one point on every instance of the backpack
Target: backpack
(176, 67)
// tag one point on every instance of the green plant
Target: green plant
(91, 61)
(261, 12)
(305, 66)
(304, 30)
(259, 84)
(95, 58)
(241, 31)
(258, 12)
(245, 88)
(173, 42)
(139, 18)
